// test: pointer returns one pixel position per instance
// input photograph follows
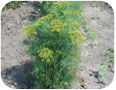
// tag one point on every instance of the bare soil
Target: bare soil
(16, 61)
(101, 17)
(14, 58)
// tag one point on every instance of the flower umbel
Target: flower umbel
(57, 25)
(73, 23)
(76, 37)
(45, 54)
(29, 30)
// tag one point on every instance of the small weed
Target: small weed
(94, 4)
(92, 35)
(86, 29)
(84, 26)
(101, 73)
(84, 23)
(101, 68)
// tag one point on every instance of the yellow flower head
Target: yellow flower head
(78, 12)
(29, 30)
(45, 54)
(61, 5)
(57, 25)
(40, 20)
(76, 37)
(73, 23)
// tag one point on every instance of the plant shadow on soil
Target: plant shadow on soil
(19, 75)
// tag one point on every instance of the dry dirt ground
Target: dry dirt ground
(16, 61)
(101, 17)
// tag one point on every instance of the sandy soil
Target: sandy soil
(102, 19)
(14, 58)
(15, 61)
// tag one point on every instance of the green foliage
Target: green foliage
(92, 35)
(101, 74)
(13, 4)
(94, 4)
(86, 29)
(55, 39)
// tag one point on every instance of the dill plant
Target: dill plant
(55, 39)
